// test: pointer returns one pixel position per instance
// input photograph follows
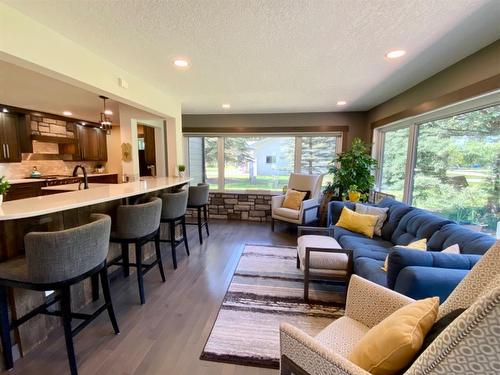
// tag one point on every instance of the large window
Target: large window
(447, 162)
(262, 163)
(393, 163)
(233, 163)
(457, 167)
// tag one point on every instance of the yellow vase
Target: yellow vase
(354, 196)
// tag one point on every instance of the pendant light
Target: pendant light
(105, 121)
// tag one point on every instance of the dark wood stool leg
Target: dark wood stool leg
(95, 286)
(5, 329)
(125, 259)
(107, 298)
(205, 216)
(158, 255)
(200, 235)
(171, 225)
(184, 234)
(272, 224)
(140, 274)
(66, 318)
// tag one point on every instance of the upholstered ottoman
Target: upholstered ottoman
(321, 257)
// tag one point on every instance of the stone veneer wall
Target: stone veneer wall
(51, 127)
(238, 206)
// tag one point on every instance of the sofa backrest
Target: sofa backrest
(469, 241)
(415, 225)
(396, 211)
(335, 209)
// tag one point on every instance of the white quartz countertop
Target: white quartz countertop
(72, 187)
(46, 204)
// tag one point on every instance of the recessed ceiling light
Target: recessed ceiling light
(397, 53)
(226, 106)
(341, 102)
(181, 63)
(83, 123)
(5, 110)
(67, 113)
(108, 112)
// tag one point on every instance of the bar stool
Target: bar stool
(55, 261)
(198, 199)
(138, 224)
(173, 213)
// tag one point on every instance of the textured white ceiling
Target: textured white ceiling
(275, 55)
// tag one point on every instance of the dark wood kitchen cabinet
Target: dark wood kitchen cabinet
(91, 143)
(9, 138)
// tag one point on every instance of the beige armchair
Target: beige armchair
(469, 345)
(308, 211)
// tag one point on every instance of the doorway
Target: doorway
(147, 150)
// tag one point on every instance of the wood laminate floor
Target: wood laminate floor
(168, 333)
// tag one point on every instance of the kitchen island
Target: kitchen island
(56, 212)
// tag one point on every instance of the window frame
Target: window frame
(220, 154)
(412, 123)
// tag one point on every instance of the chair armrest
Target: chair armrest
(277, 201)
(305, 210)
(401, 258)
(363, 295)
(311, 356)
(322, 231)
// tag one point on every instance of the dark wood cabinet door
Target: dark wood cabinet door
(149, 145)
(102, 145)
(9, 138)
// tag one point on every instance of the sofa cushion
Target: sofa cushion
(469, 241)
(365, 243)
(396, 211)
(415, 225)
(370, 269)
(287, 212)
(339, 232)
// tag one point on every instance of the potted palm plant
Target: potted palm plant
(4, 186)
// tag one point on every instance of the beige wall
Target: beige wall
(356, 121)
(477, 67)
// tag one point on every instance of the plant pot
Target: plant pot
(1, 199)
(323, 209)
(354, 196)
(182, 174)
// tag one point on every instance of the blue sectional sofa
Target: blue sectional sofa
(417, 274)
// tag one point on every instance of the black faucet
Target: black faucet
(85, 179)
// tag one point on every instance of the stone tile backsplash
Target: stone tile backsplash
(14, 171)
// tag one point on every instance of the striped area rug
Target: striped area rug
(267, 289)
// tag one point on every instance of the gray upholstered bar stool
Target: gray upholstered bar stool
(173, 213)
(55, 261)
(138, 224)
(198, 199)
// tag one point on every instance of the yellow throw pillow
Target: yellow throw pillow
(390, 346)
(359, 223)
(293, 199)
(415, 245)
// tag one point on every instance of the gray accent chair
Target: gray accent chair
(198, 200)
(138, 224)
(173, 213)
(55, 261)
(468, 345)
